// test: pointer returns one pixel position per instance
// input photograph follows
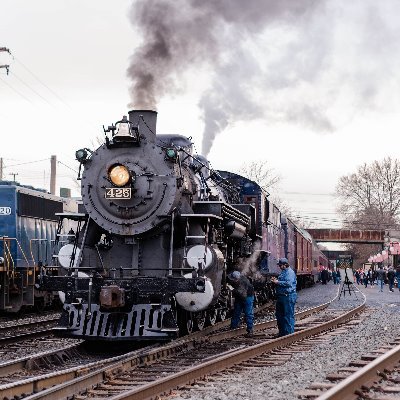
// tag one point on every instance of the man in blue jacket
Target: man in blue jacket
(285, 297)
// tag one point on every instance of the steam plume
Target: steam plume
(308, 62)
(182, 34)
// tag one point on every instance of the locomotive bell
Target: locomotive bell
(124, 130)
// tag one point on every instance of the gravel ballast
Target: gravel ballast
(380, 326)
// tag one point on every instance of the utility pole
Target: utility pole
(1, 168)
(53, 171)
(6, 66)
(14, 174)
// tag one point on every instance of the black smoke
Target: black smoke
(182, 36)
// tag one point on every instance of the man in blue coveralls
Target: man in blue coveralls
(285, 297)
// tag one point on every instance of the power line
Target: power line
(65, 165)
(16, 91)
(28, 162)
(33, 90)
(42, 83)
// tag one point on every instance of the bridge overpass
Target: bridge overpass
(350, 236)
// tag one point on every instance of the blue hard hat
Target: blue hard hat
(234, 275)
(283, 261)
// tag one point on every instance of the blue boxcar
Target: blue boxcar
(27, 234)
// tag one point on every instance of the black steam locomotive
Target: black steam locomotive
(150, 256)
(160, 232)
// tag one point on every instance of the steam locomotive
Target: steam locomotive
(161, 231)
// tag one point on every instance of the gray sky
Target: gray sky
(313, 89)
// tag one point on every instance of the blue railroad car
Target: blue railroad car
(28, 228)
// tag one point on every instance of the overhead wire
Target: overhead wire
(85, 121)
(65, 165)
(25, 163)
(16, 91)
(41, 82)
(29, 87)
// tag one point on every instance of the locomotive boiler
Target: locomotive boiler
(161, 230)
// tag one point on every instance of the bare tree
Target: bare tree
(370, 197)
(258, 171)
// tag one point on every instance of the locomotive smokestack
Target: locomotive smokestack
(147, 122)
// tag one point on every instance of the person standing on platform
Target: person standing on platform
(357, 275)
(390, 276)
(398, 276)
(334, 277)
(366, 278)
(286, 297)
(338, 276)
(324, 276)
(243, 292)
(380, 277)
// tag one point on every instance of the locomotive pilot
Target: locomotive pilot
(244, 297)
(285, 297)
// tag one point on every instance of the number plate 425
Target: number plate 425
(114, 193)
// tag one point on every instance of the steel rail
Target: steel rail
(91, 379)
(24, 336)
(35, 384)
(366, 376)
(29, 324)
(262, 325)
(259, 326)
(190, 375)
(72, 380)
(12, 366)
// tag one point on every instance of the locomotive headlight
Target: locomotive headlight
(171, 154)
(119, 175)
(81, 155)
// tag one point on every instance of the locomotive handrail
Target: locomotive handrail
(10, 257)
(4, 238)
(171, 243)
(38, 240)
(7, 254)
(194, 215)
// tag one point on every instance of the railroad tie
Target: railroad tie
(308, 393)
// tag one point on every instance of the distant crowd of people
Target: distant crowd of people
(379, 276)
(325, 275)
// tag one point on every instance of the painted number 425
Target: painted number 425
(113, 193)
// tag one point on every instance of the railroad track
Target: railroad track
(246, 356)
(115, 376)
(15, 332)
(376, 375)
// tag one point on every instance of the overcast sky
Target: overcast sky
(312, 86)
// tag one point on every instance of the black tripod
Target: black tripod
(347, 285)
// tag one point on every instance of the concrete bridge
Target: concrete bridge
(349, 236)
